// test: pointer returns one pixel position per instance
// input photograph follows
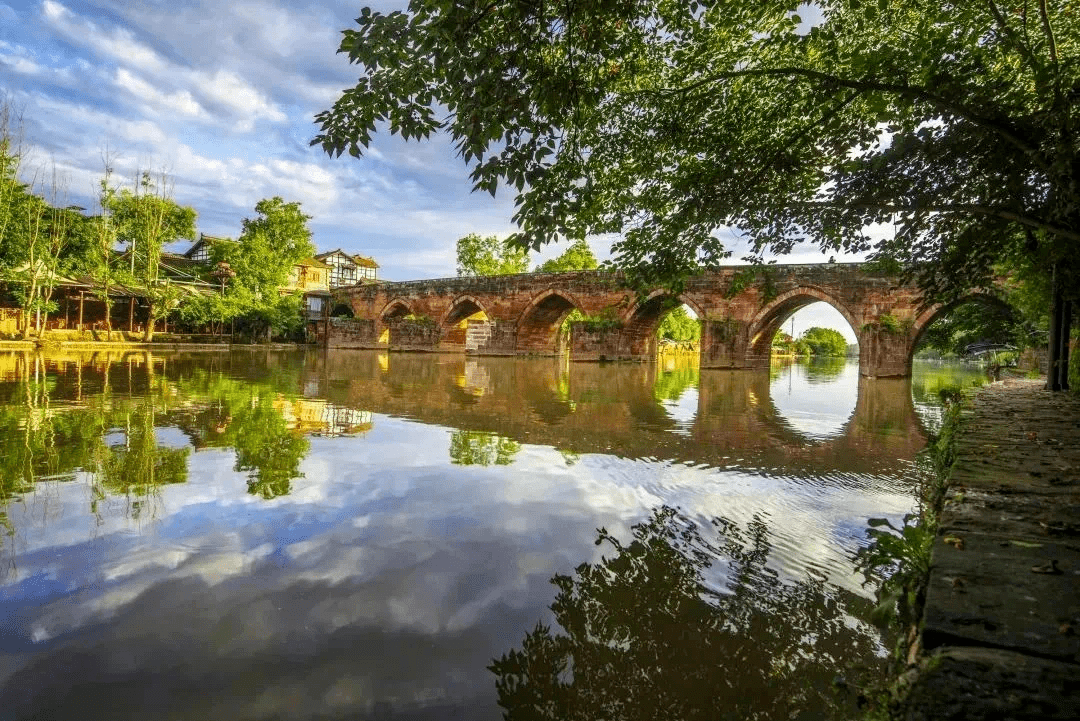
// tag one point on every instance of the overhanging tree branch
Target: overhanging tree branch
(959, 208)
(1013, 36)
(867, 86)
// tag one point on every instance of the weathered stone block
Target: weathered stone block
(351, 333)
(982, 684)
(491, 337)
(588, 343)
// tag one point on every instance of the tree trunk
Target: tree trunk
(1065, 337)
(26, 316)
(148, 334)
(108, 315)
(46, 298)
(1058, 343)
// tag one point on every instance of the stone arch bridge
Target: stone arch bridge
(740, 311)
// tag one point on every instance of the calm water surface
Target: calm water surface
(263, 535)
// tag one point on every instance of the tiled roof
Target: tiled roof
(205, 239)
(312, 263)
(360, 260)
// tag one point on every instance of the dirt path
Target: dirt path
(1002, 619)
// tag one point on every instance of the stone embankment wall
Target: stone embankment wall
(1001, 627)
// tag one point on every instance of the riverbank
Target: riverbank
(135, 344)
(1001, 623)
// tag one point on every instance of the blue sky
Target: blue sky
(222, 96)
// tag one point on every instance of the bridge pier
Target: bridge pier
(360, 333)
(591, 343)
(725, 344)
(885, 352)
(414, 334)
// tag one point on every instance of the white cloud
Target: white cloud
(228, 89)
(181, 101)
(54, 11)
(223, 96)
(131, 132)
(222, 88)
(24, 66)
(119, 43)
(200, 178)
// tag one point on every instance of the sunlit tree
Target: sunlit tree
(487, 255)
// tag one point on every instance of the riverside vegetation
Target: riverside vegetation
(45, 242)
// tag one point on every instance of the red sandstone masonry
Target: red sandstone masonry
(526, 311)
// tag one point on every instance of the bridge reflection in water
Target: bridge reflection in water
(627, 409)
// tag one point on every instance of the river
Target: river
(312, 535)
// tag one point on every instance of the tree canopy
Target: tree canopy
(268, 247)
(825, 341)
(146, 218)
(487, 255)
(953, 123)
(578, 256)
(40, 238)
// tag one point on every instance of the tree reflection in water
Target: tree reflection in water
(478, 448)
(267, 449)
(824, 369)
(647, 634)
(137, 467)
(672, 383)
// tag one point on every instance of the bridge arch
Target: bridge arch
(538, 324)
(641, 320)
(769, 319)
(396, 308)
(342, 310)
(460, 308)
(926, 318)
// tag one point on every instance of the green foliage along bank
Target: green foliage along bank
(679, 327)
(115, 252)
(825, 342)
(897, 558)
(815, 341)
